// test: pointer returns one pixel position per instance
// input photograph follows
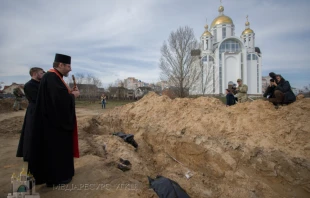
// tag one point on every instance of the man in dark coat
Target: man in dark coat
(269, 92)
(54, 142)
(283, 92)
(31, 91)
(273, 76)
(230, 98)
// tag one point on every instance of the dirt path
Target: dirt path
(10, 126)
(12, 114)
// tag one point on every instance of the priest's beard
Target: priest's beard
(66, 74)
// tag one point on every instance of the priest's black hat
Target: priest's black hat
(61, 58)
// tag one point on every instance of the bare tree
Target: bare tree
(79, 78)
(176, 62)
(87, 80)
(119, 83)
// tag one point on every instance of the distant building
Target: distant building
(133, 83)
(9, 89)
(88, 90)
(119, 93)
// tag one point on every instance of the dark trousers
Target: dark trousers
(103, 104)
(278, 99)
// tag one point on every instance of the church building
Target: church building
(226, 57)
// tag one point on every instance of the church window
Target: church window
(206, 44)
(249, 57)
(204, 59)
(249, 39)
(230, 46)
(224, 32)
(211, 59)
(254, 57)
(244, 40)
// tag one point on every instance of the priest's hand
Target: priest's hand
(76, 93)
(75, 88)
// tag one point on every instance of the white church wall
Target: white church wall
(254, 80)
(231, 69)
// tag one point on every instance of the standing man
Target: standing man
(242, 90)
(54, 142)
(31, 91)
(18, 97)
(103, 100)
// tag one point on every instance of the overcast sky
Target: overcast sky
(122, 38)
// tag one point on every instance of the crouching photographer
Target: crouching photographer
(269, 92)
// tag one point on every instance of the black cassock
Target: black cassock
(51, 153)
(31, 91)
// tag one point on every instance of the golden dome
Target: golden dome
(206, 33)
(221, 20)
(247, 23)
(247, 31)
(23, 172)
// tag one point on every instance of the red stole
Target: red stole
(76, 152)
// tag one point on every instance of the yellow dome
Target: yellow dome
(23, 172)
(221, 20)
(247, 31)
(206, 33)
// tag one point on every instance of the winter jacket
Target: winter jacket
(285, 87)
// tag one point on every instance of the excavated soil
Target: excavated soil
(6, 105)
(247, 150)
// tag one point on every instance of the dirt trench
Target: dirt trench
(226, 152)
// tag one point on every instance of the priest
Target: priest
(31, 91)
(54, 143)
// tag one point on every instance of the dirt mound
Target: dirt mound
(6, 105)
(11, 126)
(246, 150)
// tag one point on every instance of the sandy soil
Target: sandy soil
(247, 150)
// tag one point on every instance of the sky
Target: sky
(122, 38)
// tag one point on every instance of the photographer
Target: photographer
(269, 93)
(273, 76)
(230, 99)
(283, 93)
